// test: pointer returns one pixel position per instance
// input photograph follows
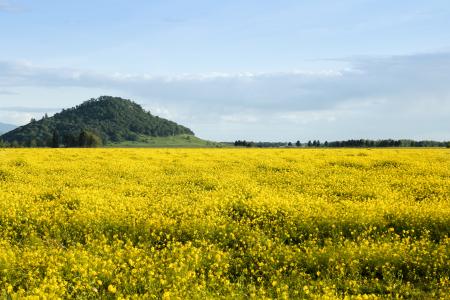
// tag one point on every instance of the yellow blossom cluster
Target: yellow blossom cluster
(225, 223)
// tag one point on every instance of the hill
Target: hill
(109, 119)
(181, 141)
(6, 127)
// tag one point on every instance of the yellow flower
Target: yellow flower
(112, 289)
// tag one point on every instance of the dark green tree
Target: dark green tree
(83, 139)
(70, 140)
(93, 140)
(55, 139)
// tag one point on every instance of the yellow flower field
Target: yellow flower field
(225, 223)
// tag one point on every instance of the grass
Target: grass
(176, 141)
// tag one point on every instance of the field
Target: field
(173, 141)
(225, 223)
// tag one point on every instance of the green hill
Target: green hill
(182, 140)
(110, 120)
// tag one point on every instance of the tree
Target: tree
(70, 140)
(289, 144)
(298, 144)
(89, 139)
(82, 139)
(55, 139)
(310, 144)
(93, 140)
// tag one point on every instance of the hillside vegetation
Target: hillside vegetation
(111, 119)
(183, 140)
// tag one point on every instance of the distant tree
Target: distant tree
(82, 139)
(40, 143)
(55, 139)
(325, 144)
(298, 144)
(244, 143)
(70, 140)
(310, 144)
(89, 139)
(33, 143)
(93, 140)
(289, 144)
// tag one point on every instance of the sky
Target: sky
(258, 70)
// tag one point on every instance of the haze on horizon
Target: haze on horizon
(256, 70)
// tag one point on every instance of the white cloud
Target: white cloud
(4, 5)
(6, 92)
(8, 6)
(376, 97)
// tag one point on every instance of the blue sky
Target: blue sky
(259, 70)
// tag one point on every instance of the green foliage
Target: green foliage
(55, 140)
(106, 119)
(183, 140)
(361, 143)
(89, 140)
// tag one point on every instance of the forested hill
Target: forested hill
(110, 119)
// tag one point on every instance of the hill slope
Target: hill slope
(6, 127)
(112, 119)
(175, 141)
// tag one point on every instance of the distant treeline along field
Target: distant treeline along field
(348, 144)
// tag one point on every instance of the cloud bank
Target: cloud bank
(8, 6)
(375, 97)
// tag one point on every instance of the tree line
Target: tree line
(85, 139)
(353, 143)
